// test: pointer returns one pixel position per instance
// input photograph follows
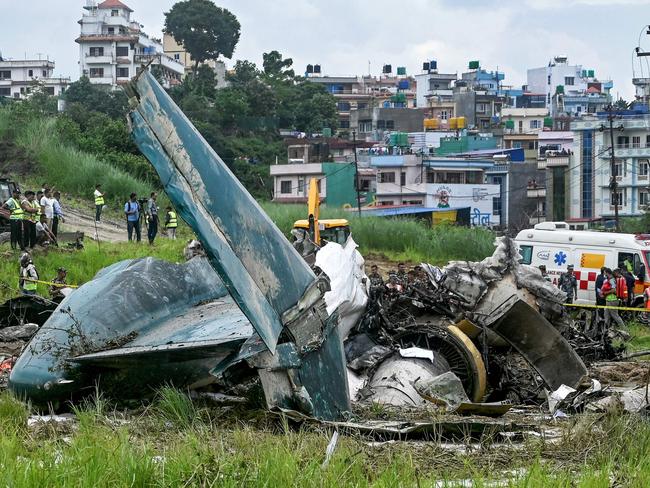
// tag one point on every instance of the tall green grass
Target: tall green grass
(398, 238)
(70, 169)
(114, 450)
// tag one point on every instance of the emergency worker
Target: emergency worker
(16, 220)
(569, 284)
(28, 274)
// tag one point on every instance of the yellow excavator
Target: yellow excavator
(321, 231)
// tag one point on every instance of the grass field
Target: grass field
(398, 239)
(174, 442)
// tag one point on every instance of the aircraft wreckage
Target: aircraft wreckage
(253, 306)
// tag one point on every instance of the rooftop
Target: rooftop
(106, 4)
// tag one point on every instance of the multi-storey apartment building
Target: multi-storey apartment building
(18, 78)
(113, 47)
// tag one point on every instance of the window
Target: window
(30, 73)
(647, 140)
(301, 186)
(177, 57)
(381, 124)
(444, 115)
(623, 141)
(5, 75)
(344, 124)
(569, 80)
(636, 141)
(49, 90)
(362, 105)
(411, 202)
(644, 198)
(643, 168)
(526, 254)
(111, 30)
(535, 124)
(618, 168)
(96, 72)
(5, 91)
(516, 145)
(96, 51)
(122, 72)
(532, 145)
(390, 124)
(365, 126)
(548, 80)
(285, 187)
(496, 207)
(481, 108)
(386, 177)
(618, 198)
(44, 74)
(114, 12)
(521, 125)
(343, 106)
(122, 51)
(402, 178)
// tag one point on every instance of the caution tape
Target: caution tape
(50, 283)
(629, 309)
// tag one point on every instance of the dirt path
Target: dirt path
(108, 230)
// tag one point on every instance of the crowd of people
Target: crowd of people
(613, 288)
(34, 218)
(134, 213)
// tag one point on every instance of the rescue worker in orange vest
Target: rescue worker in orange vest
(608, 292)
(621, 287)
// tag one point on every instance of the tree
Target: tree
(276, 68)
(621, 104)
(205, 30)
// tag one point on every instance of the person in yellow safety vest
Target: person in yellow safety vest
(171, 223)
(16, 220)
(28, 273)
(32, 215)
(99, 202)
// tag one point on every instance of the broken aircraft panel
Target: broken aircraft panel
(260, 268)
(138, 324)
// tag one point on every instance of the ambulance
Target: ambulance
(554, 245)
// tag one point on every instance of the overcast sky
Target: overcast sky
(350, 36)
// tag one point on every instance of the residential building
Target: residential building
(434, 87)
(113, 47)
(18, 78)
(364, 92)
(177, 51)
(590, 196)
(372, 124)
(480, 108)
(433, 182)
(528, 142)
(336, 185)
(318, 150)
(576, 87)
(465, 143)
(525, 120)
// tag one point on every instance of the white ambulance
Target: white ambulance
(555, 246)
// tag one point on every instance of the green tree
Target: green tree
(205, 30)
(621, 104)
(276, 68)
(97, 98)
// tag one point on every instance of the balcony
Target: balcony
(536, 193)
(641, 150)
(553, 162)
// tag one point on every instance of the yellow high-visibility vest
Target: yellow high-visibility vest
(17, 213)
(99, 200)
(34, 217)
(173, 221)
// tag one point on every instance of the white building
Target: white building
(579, 87)
(18, 78)
(113, 47)
(434, 87)
(438, 183)
(590, 197)
(176, 51)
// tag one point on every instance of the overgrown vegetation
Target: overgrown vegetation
(399, 239)
(220, 447)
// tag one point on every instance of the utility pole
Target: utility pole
(356, 171)
(613, 183)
